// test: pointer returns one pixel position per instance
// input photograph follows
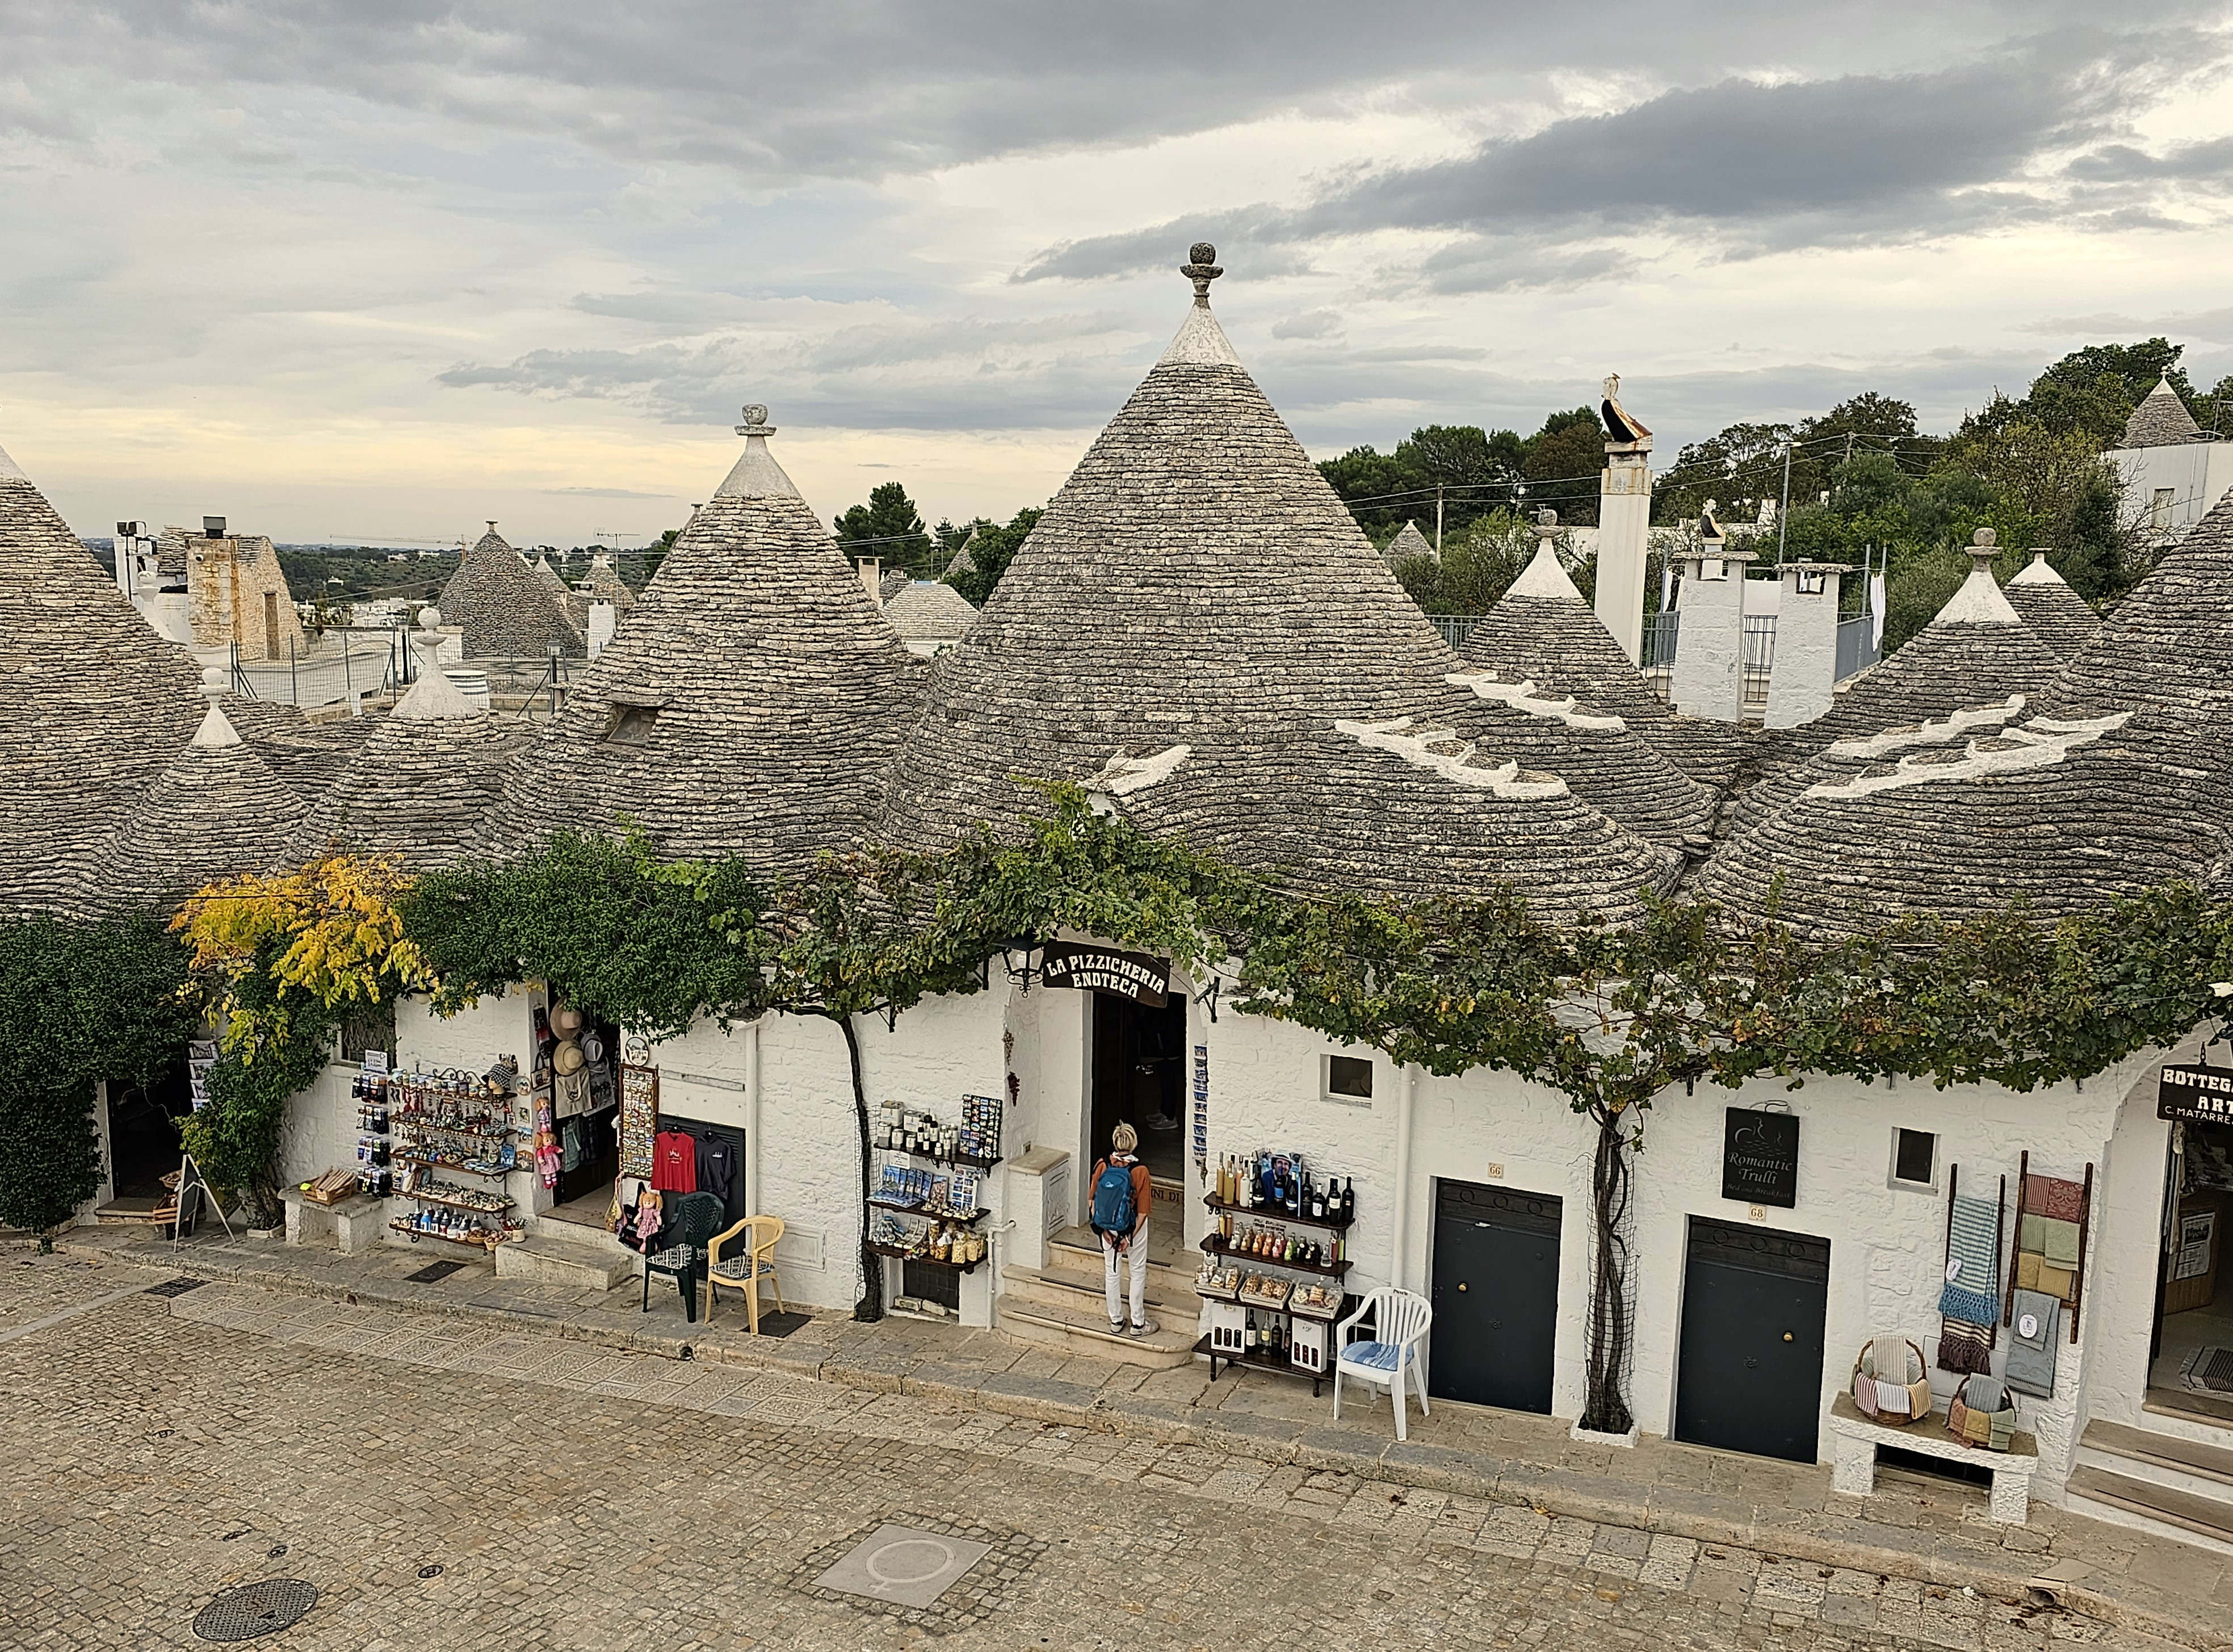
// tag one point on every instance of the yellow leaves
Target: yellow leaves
(330, 929)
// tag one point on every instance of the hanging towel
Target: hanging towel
(2031, 1232)
(1965, 1346)
(2028, 1267)
(2059, 1241)
(2054, 1198)
(2031, 1355)
(1973, 1258)
(2061, 1283)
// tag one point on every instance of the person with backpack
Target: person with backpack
(1121, 1192)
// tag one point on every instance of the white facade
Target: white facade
(2168, 489)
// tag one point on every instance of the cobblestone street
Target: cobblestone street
(447, 1485)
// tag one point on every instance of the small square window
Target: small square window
(632, 725)
(1915, 1158)
(1348, 1077)
(1712, 568)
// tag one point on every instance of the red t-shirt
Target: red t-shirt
(674, 1162)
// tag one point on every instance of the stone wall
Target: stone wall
(227, 581)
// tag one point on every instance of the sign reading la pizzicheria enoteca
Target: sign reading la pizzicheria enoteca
(1135, 976)
(1759, 1157)
(2194, 1094)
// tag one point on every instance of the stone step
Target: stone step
(1086, 1332)
(1171, 1267)
(2164, 1511)
(2168, 1459)
(1074, 1289)
(2201, 1417)
(545, 1258)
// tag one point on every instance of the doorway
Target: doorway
(1139, 1079)
(2192, 1356)
(1749, 1374)
(1495, 1292)
(143, 1135)
(588, 1137)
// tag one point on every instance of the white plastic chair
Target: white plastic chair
(1402, 1318)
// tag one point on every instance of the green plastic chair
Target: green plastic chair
(690, 1221)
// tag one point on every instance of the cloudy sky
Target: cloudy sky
(344, 271)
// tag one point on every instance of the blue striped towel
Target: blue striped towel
(1974, 1292)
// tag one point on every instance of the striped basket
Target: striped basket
(1915, 1380)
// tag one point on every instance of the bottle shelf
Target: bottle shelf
(1257, 1362)
(1277, 1213)
(969, 1159)
(1331, 1269)
(404, 1228)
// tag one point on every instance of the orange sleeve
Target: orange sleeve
(1143, 1187)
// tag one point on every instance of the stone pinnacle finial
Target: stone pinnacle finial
(756, 421)
(1984, 546)
(1546, 526)
(490, 521)
(1201, 266)
(213, 683)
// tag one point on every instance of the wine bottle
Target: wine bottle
(1348, 1200)
(1250, 1338)
(1317, 1203)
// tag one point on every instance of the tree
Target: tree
(1562, 464)
(1476, 471)
(994, 548)
(2135, 367)
(1739, 466)
(890, 528)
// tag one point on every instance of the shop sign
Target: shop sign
(1101, 969)
(1760, 1157)
(2194, 1094)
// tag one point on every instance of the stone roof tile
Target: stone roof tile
(930, 611)
(2056, 615)
(2161, 420)
(505, 609)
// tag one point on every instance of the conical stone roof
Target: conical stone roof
(928, 610)
(571, 603)
(1542, 631)
(2056, 615)
(1406, 545)
(217, 810)
(93, 705)
(895, 581)
(1975, 662)
(2161, 420)
(425, 781)
(506, 609)
(751, 705)
(963, 562)
(308, 756)
(1960, 817)
(606, 586)
(1197, 628)
(2169, 642)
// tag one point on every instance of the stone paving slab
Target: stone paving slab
(1912, 1530)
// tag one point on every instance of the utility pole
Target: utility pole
(1438, 518)
(1783, 516)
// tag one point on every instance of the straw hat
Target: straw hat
(566, 1021)
(569, 1059)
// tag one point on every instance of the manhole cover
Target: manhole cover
(431, 1571)
(262, 1607)
(178, 1287)
(434, 1273)
(904, 1565)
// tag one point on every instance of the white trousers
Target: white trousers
(1139, 1256)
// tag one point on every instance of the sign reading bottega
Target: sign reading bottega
(1101, 969)
(1760, 1157)
(2194, 1094)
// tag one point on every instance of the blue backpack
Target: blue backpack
(1113, 1212)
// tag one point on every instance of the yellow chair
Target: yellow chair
(745, 1270)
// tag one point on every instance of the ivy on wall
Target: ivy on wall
(79, 1003)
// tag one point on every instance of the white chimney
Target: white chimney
(872, 578)
(604, 620)
(1623, 522)
(1709, 676)
(1805, 673)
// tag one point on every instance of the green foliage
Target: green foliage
(235, 1135)
(995, 549)
(1477, 566)
(79, 1003)
(1562, 464)
(890, 528)
(1478, 471)
(1742, 465)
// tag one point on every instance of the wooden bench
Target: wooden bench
(1854, 1439)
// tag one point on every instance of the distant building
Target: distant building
(208, 588)
(2173, 470)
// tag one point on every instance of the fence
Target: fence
(1456, 628)
(1756, 657)
(1857, 644)
(1660, 633)
(364, 660)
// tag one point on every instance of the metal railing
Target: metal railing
(1456, 628)
(1857, 644)
(1756, 657)
(325, 676)
(1661, 632)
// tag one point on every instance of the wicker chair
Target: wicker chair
(691, 1219)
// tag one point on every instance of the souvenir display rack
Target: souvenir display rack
(459, 1122)
(1261, 1316)
(949, 1207)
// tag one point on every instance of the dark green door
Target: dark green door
(1749, 1376)
(1495, 1297)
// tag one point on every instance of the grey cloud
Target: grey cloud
(1311, 324)
(782, 91)
(1768, 166)
(1484, 265)
(604, 493)
(2117, 163)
